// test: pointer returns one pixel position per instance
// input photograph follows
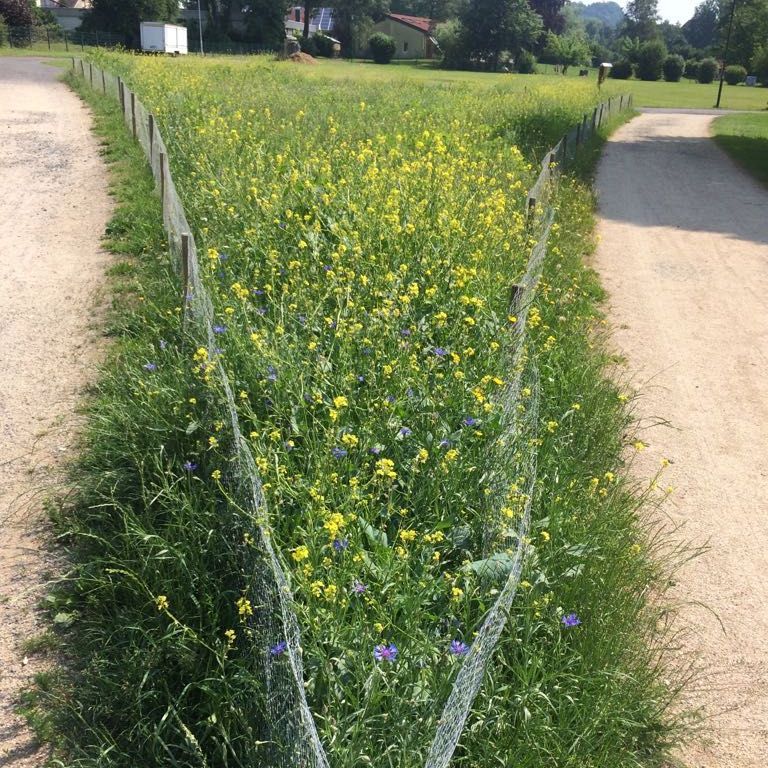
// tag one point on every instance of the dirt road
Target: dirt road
(684, 256)
(53, 210)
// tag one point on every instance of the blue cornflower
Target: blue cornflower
(405, 432)
(444, 444)
(278, 649)
(405, 331)
(385, 652)
(458, 648)
(361, 379)
(358, 587)
(271, 373)
(340, 544)
(571, 620)
(219, 328)
(470, 421)
(258, 291)
(150, 367)
(163, 344)
(327, 267)
(440, 351)
(189, 466)
(338, 453)
(376, 450)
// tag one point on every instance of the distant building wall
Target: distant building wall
(68, 18)
(411, 44)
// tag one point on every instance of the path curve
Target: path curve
(683, 254)
(54, 206)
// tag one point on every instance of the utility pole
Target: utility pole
(200, 27)
(725, 55)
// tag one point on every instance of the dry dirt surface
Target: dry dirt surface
(684, 257)
(54, 206)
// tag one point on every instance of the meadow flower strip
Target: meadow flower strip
(369, 363)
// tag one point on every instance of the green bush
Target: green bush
(3, 32)
(735, 74)
(760, 65)
(382, 48)
(526, 63)
(650, 60)
(308, 45)
(323, 45)
(451, 38)
(674, 65)
(707, 71)
(622, 70)
(691, 69)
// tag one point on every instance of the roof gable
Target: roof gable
(421, 23)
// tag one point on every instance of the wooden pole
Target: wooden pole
(82, 68)
(162, 179)
(151, 131)
(103, 82)
(90, 73)
(133, 114)
(120, 94)
(184, 266)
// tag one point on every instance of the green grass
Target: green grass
(745, 139)
(159, 684)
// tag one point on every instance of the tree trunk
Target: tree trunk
(307, 12)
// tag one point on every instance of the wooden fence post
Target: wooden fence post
(515, 296)
(162, 179)
(151, 131)
(531, 208)
(90, 72)
(103, 82)
(82, 68)
(133, 114)
(184, 266)
(73, 64)
(121, 94)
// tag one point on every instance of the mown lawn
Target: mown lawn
(745, 139)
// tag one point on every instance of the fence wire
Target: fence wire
(291, 723)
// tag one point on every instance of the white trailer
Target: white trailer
(159, 37)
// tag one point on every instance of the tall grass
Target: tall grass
(372, 442)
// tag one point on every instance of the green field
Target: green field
(745, 138)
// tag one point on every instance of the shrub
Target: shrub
(308, 45)
(3, 32)
(691, 69)
(760, 65)
(526, 63)
(707, 71)
(323, 45)
(735, 74)
(673, 68)
(382, 48)
(622, 70)
(651, 60)
(17, 13)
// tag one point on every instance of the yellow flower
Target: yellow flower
(216, 474)
(300, 553)
(423, 455)
(329, 593)
(350, 440)
(407, 535)
(161, 601)
(244, 607)
(213, 442)
(230, 635)
(639, 445)
(551, 426)
(545, 535)
(386, 468)
(340, 401)
(456, 593)
(378, 627)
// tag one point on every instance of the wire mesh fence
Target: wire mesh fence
(55, 38)
(291, 723)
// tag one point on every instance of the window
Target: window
(405, 47)
(297, 14)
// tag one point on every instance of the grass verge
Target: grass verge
(155, 679)
(745, 139)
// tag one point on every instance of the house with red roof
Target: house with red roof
(414, 36)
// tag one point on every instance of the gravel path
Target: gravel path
(53, 210)
(684, 257)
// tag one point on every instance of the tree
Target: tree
(642, 17)
(551, 14)
(566, 50)
(701, 30)
(651, 60)
(17, 13)
(122, 17)
(493, 26)
(750, 29)
(353, 22)
(265, 23)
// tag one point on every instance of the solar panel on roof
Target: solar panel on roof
(323, 18)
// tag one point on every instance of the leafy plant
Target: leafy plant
(735, 74)
(707, 70)
(622, 70)
(651, 59)
(674, 66)
(382, 48)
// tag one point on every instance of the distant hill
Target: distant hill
(610, 13)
